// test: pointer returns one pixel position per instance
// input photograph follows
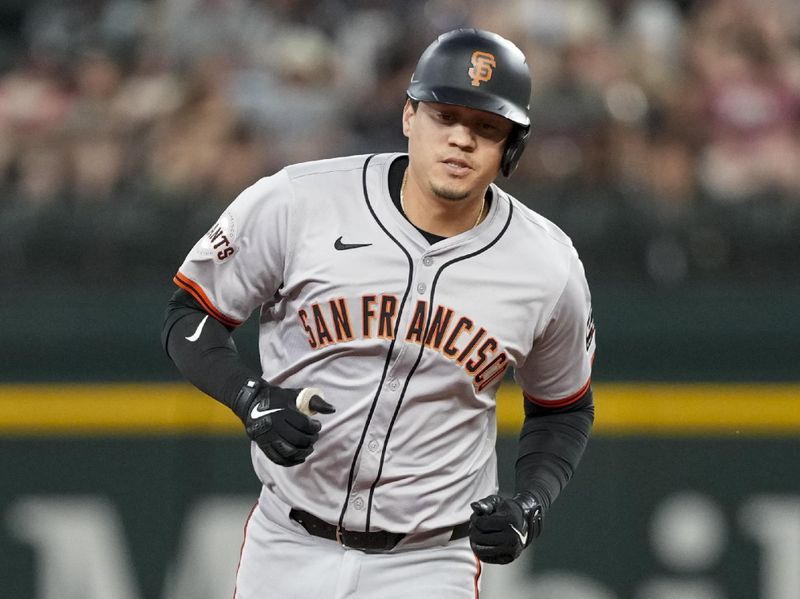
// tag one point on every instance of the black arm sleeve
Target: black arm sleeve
(551, 445)
(209, 360)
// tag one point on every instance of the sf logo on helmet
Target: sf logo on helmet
(483, 64)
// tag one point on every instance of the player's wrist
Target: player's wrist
(247, 393)
(532, 512)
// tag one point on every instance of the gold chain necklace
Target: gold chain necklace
(403, 204)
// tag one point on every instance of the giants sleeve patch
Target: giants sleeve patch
(219, 241)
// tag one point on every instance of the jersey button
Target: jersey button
(373, 446)
(421, 287)
(394, 384)
(427, 260)
(358, 503)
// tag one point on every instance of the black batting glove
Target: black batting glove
(499, 529)
(272, 419)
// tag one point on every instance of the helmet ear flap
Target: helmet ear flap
(515, 145)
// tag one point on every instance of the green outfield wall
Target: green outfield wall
(117, 481)
(711, 332)
(140, 491)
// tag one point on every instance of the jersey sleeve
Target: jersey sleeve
(558, 370)
(239, 264)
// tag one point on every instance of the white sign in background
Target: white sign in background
(81, 551)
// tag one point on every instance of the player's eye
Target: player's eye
(445, 117)
(489, 130)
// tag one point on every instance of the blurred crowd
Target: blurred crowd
(663, 131)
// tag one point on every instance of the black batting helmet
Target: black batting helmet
(482, 70)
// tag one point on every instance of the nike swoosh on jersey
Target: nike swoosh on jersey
(194, 337)
(256, 412)
(522, 537)
(340, 245)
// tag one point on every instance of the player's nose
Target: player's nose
(462, 136)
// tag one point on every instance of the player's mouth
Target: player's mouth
(457, 166)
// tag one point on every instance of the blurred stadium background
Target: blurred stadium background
(666, 143)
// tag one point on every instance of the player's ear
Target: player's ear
(408, 114)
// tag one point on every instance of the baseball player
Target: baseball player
(394, 293)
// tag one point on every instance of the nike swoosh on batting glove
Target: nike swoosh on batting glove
(272, 419)
(501, 528)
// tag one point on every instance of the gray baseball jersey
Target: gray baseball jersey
(409, 340)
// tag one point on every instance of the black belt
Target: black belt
(380, 540)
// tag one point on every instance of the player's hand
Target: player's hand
(273, 419)
(501, 528)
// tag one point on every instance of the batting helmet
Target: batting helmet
(482, 70)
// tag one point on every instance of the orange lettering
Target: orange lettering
(482, 68)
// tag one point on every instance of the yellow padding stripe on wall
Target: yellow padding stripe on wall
(621, 409)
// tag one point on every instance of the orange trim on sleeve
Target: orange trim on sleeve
(185, 283)
(559, 403)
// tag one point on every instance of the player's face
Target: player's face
(454, 151)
